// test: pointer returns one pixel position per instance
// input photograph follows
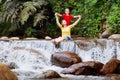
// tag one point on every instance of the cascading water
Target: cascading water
(32, 57)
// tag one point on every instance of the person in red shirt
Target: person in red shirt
(67, 16)
(66, 30)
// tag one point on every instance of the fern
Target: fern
(39, 3)
(30, 6)
(10, 7)
(17, 13)
(38, 17)
(28, 10)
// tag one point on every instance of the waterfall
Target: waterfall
(32, 57)
(100, 50)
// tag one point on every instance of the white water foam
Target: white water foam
(33, 57)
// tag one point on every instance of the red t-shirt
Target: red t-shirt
(67, 18)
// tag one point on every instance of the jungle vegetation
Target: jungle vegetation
(35, 18)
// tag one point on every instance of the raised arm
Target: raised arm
(58, 14)
(76, 22)
(76, 16)
(57, 20)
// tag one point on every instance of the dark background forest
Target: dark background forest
(35, 18)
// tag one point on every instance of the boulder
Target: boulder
(65, 59)
(85, 45)
(6, 73)
(84, 68)
(110, 67)
(95, 64)
(118, 69)
(115, 37)
(106, 34)
(48, 75)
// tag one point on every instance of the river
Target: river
(32, 57)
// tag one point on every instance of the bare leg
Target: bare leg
(57, 40)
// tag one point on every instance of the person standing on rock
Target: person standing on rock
(65, 29)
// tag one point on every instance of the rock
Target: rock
(85, 45)
(84, 68)
(30, 38)
(14, 38)
(115, 37)
(6, 74)
(118, 69)
(48, 75)
(65, 59)
(95, 64)
(4, 38)
(12, 65)
(102, 43)
(110, 66)
(106, 34)
(47, 37)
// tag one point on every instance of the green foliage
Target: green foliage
(92, 12)
(30, 32)
(32, 15)
(39, 17)
(22, 13)
(113, 20)
(27, 11)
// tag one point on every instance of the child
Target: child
(67, 16)
(65, 29)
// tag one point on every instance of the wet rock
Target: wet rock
(65, 59)
(48, 75)
(110, 67)
(85, 68)
(115, 37)
(12, 65)
(6, 74)
(95, 64)
(101, 43)
(118, 69)
(85, 45)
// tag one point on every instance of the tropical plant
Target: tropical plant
(113, 20)
(23, 14)
(93, 12)
(36, 17)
